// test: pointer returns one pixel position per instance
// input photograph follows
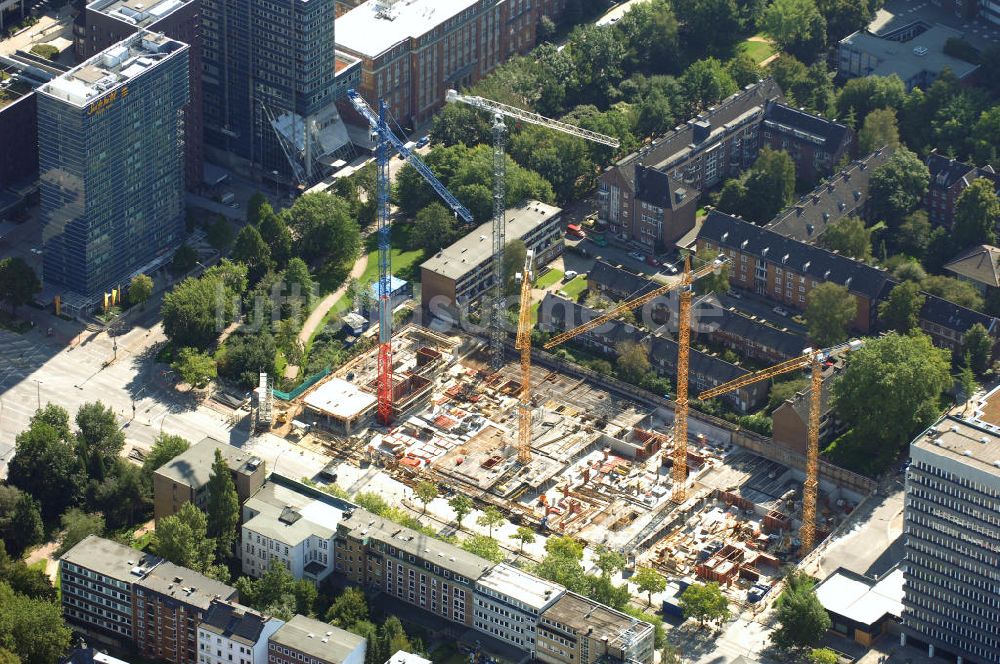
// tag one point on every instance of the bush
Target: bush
(47, 51)
(957, 47)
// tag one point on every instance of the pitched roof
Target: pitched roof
(660, 189)
(838, 197)
(681, 141)
(559, 313)
(619, 279)
(663, 350)
(946, 171)
(827, 134)
(980, 263)
(728, 231)
(708, 314)
(953, 316)
(234, 621)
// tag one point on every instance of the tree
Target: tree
(706, 82)
(633, 361)
(45, 464)
(649, 581)
(864, 94)
(31, 629)
(796, 26)
(784, 390)
(822, 656)
(99, 440)
(609, 561)
(77, 525)
(462, 505)
(651, 36)
(978, 347)
(829, 312)
(966, 380)
(913, 234)
(602, 590)
(513, 262)
(299, 284)
(562, 563)
(219, 234)
(524, 535)
(433, 228)
(246, 356)
(901, 311)
(251, 250)
(803, 620)
(954, 290)
(223, 507)
(426, 492)
(976, 214)
(195, 368)
(276, 235)
(140, 289)
(744, 70)
(256, 205)
(896, 379)
(165, 448)
(850, 237)
(184, 260)
(18, 282)
(182, 539)
(196, 311)
(20, 520)
(348, 609)
(704, 602)
(24, 580)
(490, 518)
(124, 496)
(770, 185)
(325, 229)
(392, 638)
(898, 186)
(714, 282)
(879, 130)
(484, 547)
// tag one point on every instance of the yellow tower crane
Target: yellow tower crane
(523, 344)
(812, 360)
(685, 285)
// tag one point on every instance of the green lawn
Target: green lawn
(549, 278)
(757, 50)
(575, 287)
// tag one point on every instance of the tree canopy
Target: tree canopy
(976, 214)
(182, 538)
(18, 282)
(197, 310)
(223, 508)
(802, 619)
(897, 186)
(704, 602)
(850, 237)
(901, 311)
(830, 309)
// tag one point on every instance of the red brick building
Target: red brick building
(949, 178)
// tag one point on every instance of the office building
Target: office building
(915, 53)
(106, 22)
(460, 274)
(952, 542)
(577, 630)
(508, 603)
(111, 142)
(185, 478)
(234, 634)
(271, 77)
(303, 639)
(288, 523)
(413, 51)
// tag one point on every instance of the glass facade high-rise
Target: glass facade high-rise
(111, 161)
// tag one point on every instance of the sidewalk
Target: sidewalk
(324, 305)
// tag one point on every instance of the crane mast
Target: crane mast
(386, 139)
(679, 470)
(523, 344)
(812, 360)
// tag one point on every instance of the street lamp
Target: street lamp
(275, 174)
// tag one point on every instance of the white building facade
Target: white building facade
(508, 603)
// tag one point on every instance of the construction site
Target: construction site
(600, 465)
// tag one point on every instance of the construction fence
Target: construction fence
(306, 384)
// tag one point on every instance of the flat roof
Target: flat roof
(140, 13)
(193, 466)
(860, 598)
(477, 246)
(403, 657)
(186, 585)
(290, 516)
(925, 52)
(378, 25)
(107, 73)
(340, 398)
(317, 639)
(527, 588)
(588, 617)
(111, 559)
(970, 444)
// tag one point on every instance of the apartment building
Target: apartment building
(577, 630)
(508, 603)
(844, 194)
(435, 576)
(184, 479)
(124, 597)
(413, 51)
(288, 523)
(979, 266)
(952, 542)
(304, 640)
(791, 419)
(459, 275)
(111, 163)
(949, 178)
(105, 22)
(946, 323)
(231, 633)
(752, 338)
(557, 314)
(815, 144)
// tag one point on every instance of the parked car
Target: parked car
(757, 592)
(781, 311)
(650, 261)
(570, 275)
(635, 255)
(423, 141)
(734, 294)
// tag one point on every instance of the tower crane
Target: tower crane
(499, 129)
(813, 360)
(385, 139)
(523, 344)
(685, 286)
